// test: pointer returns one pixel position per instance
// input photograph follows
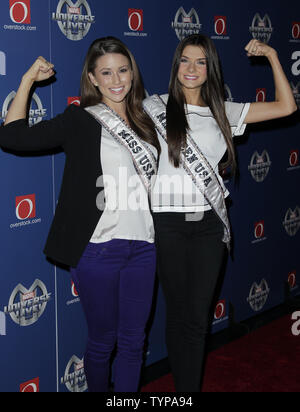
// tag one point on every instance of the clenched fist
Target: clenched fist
(40, 70)
(258, 48)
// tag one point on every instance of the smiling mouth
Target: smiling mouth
(192, 78)
(118, 90)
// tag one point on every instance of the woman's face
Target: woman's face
(192, 72)
(113, 76)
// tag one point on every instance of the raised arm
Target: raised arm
(16, 134)
(284, 103)
(39, 71)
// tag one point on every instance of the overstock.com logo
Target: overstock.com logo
(295, 32)
(220, 28)
(261, 95)
(136, 23)
(259, 232)
(135, 19)
(19, 11)
(20, 16)
(32, 386)
(292, 280)
(294, 160)
(74, 100)
(220, 314)
(75, 295)
(25, 207)
(259, 229)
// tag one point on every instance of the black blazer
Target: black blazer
(76, 215)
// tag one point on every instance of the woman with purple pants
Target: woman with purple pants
(106, 236)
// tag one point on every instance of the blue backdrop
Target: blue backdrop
(42, 328)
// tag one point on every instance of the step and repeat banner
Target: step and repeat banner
(42, 328)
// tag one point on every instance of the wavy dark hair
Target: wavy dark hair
(139, 121)
(212, 93)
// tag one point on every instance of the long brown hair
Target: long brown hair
(212, 93)
(139, 121)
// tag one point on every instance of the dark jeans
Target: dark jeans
(115, 283)
(190, 256)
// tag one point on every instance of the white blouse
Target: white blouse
(174, 191)
(126, 212)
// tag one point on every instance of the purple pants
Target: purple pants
(115, 283)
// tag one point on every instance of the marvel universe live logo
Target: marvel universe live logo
(258, 296)
(186, 24)
(26, 306)
(296, 91)
(37, 112)
(74, 377)
(291, 221)
(261, 28)
(260, 166)
(74, 19)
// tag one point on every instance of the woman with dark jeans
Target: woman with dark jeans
(196, 128)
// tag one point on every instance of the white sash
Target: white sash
(143, 159)
(194, 163)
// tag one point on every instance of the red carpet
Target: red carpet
(266, 360)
